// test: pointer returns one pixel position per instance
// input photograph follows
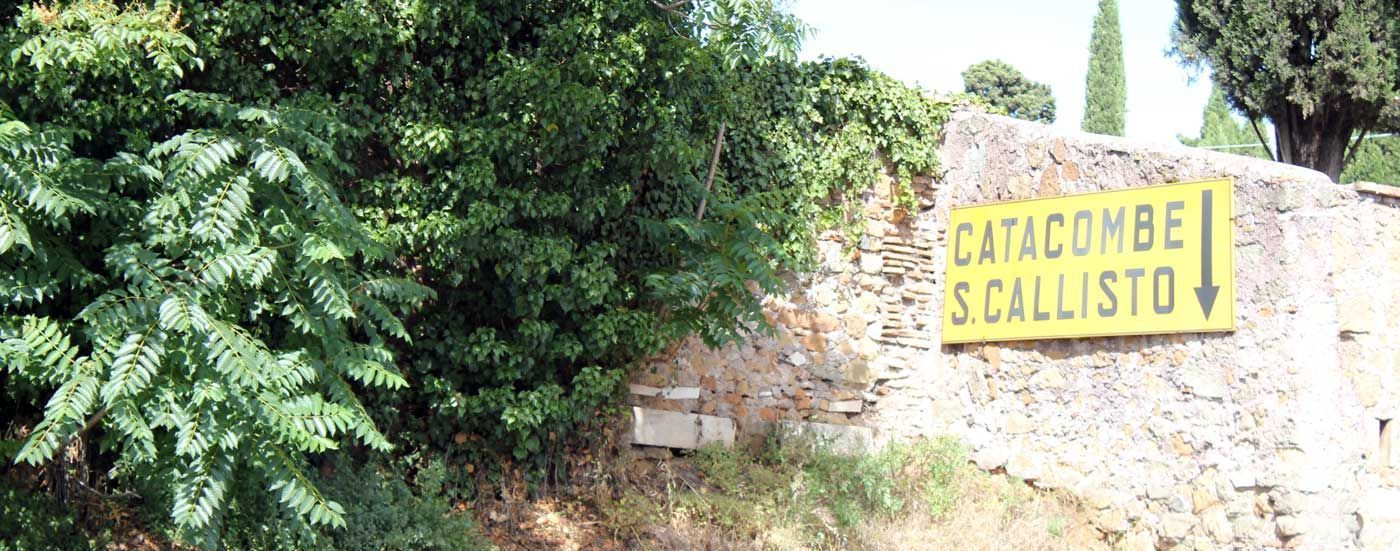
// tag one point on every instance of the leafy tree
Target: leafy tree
(1005, 88)
(1321, 71)
(186, 279)
(1105, 85)
(1219, 127)
(540, 177)
(751, 31)
(545, 178)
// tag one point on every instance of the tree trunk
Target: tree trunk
(1318, 141)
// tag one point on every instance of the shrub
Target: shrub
(32, 522)
(383, 512)
(541, 165)
(195, 290)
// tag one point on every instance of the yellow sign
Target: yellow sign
(1126, 262)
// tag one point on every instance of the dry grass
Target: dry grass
(791, 496)
(921, 496)
(991, 512)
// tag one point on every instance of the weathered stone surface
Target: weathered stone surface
(1025, 465)
(643, 390)
(681, 393)
(839, 438)
(672, 429)
(1263, 437)
(1176, 525)
(843, 406)
(1048, 378)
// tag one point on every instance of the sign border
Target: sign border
(1230, 262)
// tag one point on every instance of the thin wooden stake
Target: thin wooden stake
(710, 179)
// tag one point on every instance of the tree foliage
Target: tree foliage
(1004, 87)
(201, 298)
(1220, 127)
(489, 208)
(1320, 71)
(1377, 159)
(544, 177)
(1105, 85)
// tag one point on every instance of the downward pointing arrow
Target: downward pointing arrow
(1207, 291)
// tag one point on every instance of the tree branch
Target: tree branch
(97, 417)
(710, 179)
(1346, 159)
(673, 6)
(1259, 134)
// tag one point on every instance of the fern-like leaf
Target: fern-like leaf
(138, 438)
(329, 295)
(63, 417)
(135, 364)
(222, 211)
(398, 290)
(383, 317)
(179, 312)
(306, 422)
(274, 163)
(361, 423)
(296, 491)
(13, 231)
(200, 154)
(253, 263)
(43, 349)
(199, 494)
(320, 249)
(370, 365)
(235, 354)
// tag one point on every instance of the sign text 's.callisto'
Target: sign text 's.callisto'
(1135, 261)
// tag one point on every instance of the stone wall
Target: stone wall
(1267, 437)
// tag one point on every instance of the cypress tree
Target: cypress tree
(1105, 90)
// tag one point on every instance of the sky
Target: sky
(930, 43)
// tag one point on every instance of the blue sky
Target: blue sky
(930, 43)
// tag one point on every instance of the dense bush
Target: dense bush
(225, 221)
(383, 512)
(34, 522)
(191, 282)
(541, 164)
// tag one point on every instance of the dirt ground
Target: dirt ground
(631, 505)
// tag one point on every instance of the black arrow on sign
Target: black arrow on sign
(1207, 291)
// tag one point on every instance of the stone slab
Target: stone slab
(838, 438)
(653, 427)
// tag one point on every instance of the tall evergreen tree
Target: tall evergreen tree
(1105, 90)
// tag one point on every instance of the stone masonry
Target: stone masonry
(1277, 435)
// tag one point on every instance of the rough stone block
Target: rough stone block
(643, 390)
(671, 429)
(681, 393)
(843, 406)
(838, 438)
